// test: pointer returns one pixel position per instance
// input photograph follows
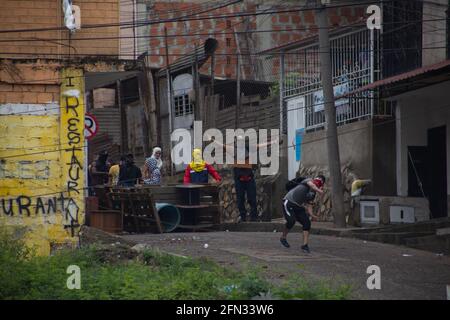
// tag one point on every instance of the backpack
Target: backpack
(291, 184)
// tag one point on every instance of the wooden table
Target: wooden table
(195, 215)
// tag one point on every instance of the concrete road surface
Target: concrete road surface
(405, 273)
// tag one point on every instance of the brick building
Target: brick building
(47, 15)
(245, 27)
(42, 106)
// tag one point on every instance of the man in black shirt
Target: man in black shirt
(244, 175)
(130, 174)
(297, 205)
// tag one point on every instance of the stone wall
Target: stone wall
(264, 196)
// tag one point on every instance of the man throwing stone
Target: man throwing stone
(297, 205)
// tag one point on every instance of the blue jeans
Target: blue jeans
(248, 188)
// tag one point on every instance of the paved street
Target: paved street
(405, 273)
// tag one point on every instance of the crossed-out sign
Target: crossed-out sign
(90, 126)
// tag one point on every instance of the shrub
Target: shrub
(154, 275)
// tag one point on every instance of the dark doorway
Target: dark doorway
(417, 172)
(437, 171)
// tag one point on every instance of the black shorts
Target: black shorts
(293, 212)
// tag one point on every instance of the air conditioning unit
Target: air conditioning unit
(402, 214)
(370, 212)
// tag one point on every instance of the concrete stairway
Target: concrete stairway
(433, 235)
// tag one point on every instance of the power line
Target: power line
(226, 54)
(331, 28)
(180, 19)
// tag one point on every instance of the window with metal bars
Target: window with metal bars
(182, 106)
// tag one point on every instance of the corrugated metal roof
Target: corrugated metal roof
(102, 79)
(108, 122)
(403, 76)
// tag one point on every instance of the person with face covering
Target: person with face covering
(198, 170)
(152, 167)
(298, 206)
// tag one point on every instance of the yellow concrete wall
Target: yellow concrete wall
(37, 163)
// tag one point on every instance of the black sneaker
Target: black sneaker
(305, 248)
(284, 243)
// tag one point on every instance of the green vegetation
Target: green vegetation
(116, 274)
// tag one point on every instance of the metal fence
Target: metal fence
(353, 66)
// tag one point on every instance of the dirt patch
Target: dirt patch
(89, 236)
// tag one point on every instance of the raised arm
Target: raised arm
(228, 147)
(314, 187)
(265, 144)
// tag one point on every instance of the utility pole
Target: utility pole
(238, 90)
(334, 163)
(169, 95)
(195, 73)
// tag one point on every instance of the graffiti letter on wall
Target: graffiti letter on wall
(10, 210)
(72, 134)
(24, 206)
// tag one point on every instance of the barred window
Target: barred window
(183, 106)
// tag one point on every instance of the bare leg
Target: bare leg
(285, 233)
(305, 237)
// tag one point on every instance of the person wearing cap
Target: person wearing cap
(297, 206)
(198, 170)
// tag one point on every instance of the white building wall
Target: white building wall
(417, 112)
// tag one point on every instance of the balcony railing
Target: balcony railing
(353, 66)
